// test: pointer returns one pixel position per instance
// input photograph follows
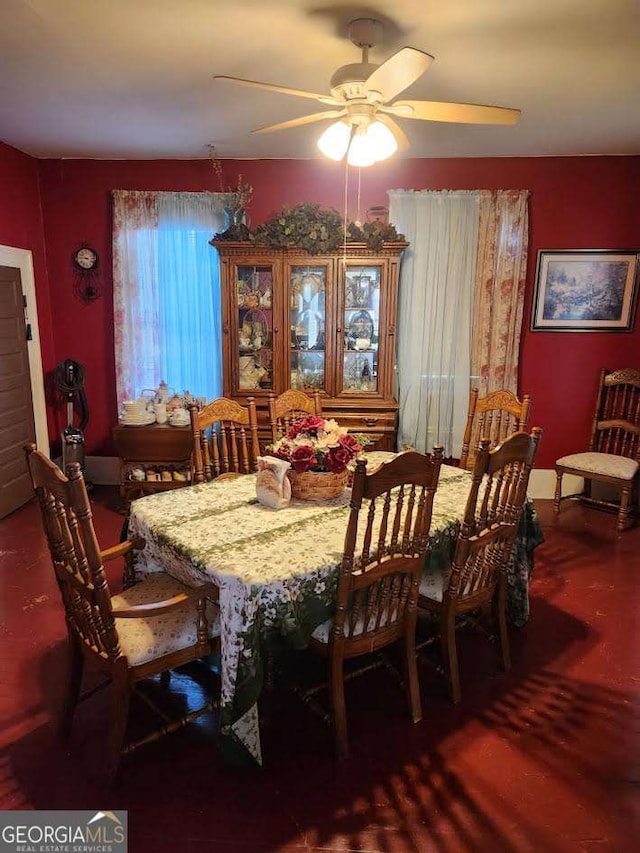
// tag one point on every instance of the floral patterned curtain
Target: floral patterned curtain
(499, 289)
(135, 298)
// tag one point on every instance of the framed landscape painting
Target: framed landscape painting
(585, 290)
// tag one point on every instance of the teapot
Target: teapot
(161, 414)
(147, 400)
(162, 394)
(273, 488)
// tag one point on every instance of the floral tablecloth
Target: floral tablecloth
(277, 572)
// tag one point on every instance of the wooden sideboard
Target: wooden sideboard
(162, 449)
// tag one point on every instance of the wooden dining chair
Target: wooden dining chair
(495, 416)
(148, 629)
(289, 407)
(483, 548)
(382, 561)
(225, 439)
(613, 456)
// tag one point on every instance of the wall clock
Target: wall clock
(86, 258)
(86, 279)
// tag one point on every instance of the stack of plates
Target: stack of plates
(144, 419)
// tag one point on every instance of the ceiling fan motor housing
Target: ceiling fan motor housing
(347, 80)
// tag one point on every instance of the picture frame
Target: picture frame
(585, 290)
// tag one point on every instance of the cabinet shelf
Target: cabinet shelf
(161, 447)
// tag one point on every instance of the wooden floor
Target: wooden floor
(543, 759)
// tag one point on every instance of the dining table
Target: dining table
(277, 571)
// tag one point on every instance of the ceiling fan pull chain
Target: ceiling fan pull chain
(346, 209)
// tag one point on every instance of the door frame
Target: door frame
(22, 259)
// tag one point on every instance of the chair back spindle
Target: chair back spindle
(616, 423)
(289, 407)
(225, 439)
(494, 417)
(488, 531)
(384, 550)
(75, 553)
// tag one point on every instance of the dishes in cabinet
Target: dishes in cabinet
(254, 287)
(360, 330)
(306, 284)
(358, 290)
(254, 331)
(179, 418)
(307, 370)
(142, 420)
(359, 372)
(251, 374)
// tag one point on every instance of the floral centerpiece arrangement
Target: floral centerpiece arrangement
(319, 451)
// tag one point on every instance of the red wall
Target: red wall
(585, 202)
(21, 228)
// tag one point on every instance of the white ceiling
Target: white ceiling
(134, 78)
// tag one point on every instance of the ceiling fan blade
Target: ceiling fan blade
(459, 113)
(298, 122)
(282, 90)
(399, 134)
(398, 72)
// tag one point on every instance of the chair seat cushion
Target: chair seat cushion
(607, 464)
(149, 637)
(323, 631)
(432, 584)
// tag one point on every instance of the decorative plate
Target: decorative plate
(361, 326)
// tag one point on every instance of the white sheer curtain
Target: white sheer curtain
(435, 314)
(167, 302)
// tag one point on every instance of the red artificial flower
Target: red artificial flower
(309, 426)
(283, 453)
(349, 443)
(337, 458)
(303, 458)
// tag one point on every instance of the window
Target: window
(167, 303)
(460, 305)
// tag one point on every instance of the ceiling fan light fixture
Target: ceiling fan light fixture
(335, 140)
(370, 144)
(360, 152)
(381, 140)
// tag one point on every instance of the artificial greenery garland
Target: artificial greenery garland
(315, 229)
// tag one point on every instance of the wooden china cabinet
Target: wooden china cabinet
(293, 320)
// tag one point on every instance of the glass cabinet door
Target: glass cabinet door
(307, 322)
(360, 328)
(254, 332)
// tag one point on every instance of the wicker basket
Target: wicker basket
(317, 485)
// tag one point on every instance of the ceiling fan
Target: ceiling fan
(362, 97)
